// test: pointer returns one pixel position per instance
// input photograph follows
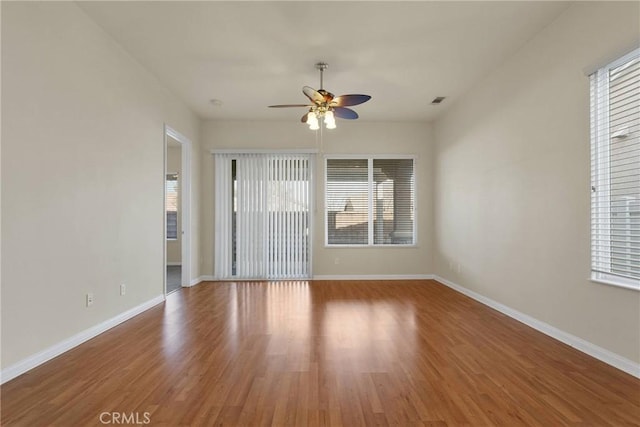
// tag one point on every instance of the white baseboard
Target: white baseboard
(331, 277)
(174, 264)
(593, 350)
(201, 279)
(375, 277)
(37, 359)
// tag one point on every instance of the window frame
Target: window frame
(600, 141)
(370, 238)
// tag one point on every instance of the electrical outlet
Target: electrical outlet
(89, 299)
(336, 261)
(123, 289)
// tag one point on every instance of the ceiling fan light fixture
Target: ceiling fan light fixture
(325, 105)
(329, 120)
(312, 121)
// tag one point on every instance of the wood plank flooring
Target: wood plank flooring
(337, 353)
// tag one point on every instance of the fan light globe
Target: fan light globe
(312, 121)
(329, 120)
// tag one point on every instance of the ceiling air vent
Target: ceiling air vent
(437, 100)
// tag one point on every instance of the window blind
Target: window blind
(262, 216)
(615, 172)
(370, 201)
(347, 201)
(171, 206)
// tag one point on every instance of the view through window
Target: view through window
(615, 172)
(171, 206)
(370, 201)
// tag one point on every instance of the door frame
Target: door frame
(185, 206)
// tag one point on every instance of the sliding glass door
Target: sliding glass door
(263, 216)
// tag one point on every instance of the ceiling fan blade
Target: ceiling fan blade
(313, 94)
(349, 100)
(289, 105)
(345, 113)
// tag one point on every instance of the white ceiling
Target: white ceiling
(253, 54)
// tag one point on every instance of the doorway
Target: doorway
(177, 265)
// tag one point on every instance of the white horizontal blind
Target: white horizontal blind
(370, 201)
(393, 201)
(347, 201)
(615, 171)
(171, 205)
(264, 212)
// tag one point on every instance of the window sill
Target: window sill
(172, 240)
(618, 282)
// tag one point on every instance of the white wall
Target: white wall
(82, 169)
(352, 138)
(174, 165)
(512, 181)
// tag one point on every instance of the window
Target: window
(171, 206)
(370, 201)
(615, 172)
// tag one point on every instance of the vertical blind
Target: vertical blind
(615, 171)
(262, 216)
(370, 201)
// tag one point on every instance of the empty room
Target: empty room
(320, 213)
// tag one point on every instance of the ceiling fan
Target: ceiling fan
(325, 105)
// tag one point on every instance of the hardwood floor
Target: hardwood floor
(322, 353)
